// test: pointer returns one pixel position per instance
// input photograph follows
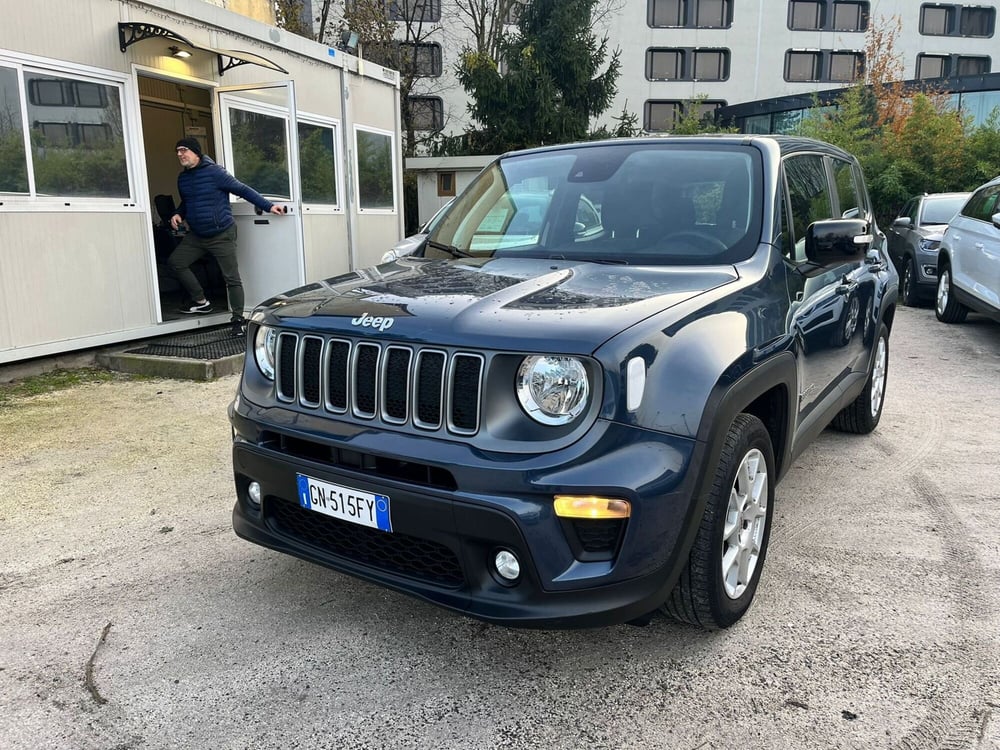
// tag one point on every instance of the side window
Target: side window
(848, 195)
(986, 206)
(908, 209)
(809, 199)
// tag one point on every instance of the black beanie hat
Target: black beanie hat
(190, 144)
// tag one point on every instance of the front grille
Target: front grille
(430, 389)
(392, 552)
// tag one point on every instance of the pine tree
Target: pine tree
(549, 86)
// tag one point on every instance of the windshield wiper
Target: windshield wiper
(453, 251)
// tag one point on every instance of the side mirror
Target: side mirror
(902, 222)
(996, 220)
(837, 241)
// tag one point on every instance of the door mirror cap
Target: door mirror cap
(834, 242)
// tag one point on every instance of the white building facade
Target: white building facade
(730, 52)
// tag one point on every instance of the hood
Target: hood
(497, 303)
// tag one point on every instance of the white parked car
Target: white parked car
(407, 245)
(969, 259)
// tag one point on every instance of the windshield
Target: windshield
(633, 203)
(941, 210)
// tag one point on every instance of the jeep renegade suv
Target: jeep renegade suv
(571, 406)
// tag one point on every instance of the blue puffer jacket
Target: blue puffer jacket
(204, 192)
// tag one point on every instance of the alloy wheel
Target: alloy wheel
(746, 518)
(878, 375)
(944, 287)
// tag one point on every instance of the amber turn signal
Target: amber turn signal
(591, 506)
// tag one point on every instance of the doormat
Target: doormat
(213, 344)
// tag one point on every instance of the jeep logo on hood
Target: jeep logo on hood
(367, 321)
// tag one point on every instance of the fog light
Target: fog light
(253, 494)
(507, 565)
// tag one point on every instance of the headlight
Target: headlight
(552, 390)
(930, 246)
(264, 345)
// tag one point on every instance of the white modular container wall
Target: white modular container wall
(86, 142)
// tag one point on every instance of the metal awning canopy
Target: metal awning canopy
(132, 32)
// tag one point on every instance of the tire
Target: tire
(908, 284)
(947, 308)
(863, 414)
(719, 581)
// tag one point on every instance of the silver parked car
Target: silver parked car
(968, 263)
(914, 238)
(408, 245)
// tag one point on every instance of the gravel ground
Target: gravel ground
(132, 617)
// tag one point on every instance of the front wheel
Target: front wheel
(723, 569)
(908, 284)
(862, 415)
(947, 308)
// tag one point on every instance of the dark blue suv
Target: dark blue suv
(572, 405)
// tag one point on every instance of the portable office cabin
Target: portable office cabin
(93, 96)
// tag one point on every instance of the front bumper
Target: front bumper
(460, 506)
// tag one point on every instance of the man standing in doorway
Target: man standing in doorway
(204, 188)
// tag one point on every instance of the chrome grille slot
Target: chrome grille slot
(427, 389)
(310, 387)
(285, 372)
(338, 361)
(366, 358)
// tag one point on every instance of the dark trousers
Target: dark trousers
(222, 247)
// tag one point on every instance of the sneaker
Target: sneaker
(197, 309)
(238, 328)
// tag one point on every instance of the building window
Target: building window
(425, 58)
(944, 66)
(663, 115)
(426, 112)
(78, 150)
(318, 163)
(932, 66)
(802, 66)
(824, 65)
(805, 15)
(687, 64)
(446, 184)
(689, 14)
(514, 11)
(971, 66)
(850, 17)
(375, 170)
(414, 11)
(827, 15)
(977, 22)
(711, 64)
(846, 66)
(664, 64)
(957, 20)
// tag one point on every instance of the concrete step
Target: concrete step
(202, 355)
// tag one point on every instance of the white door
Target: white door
(259, 139)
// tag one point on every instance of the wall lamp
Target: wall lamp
(178, 52)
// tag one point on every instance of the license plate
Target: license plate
(345, 503)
